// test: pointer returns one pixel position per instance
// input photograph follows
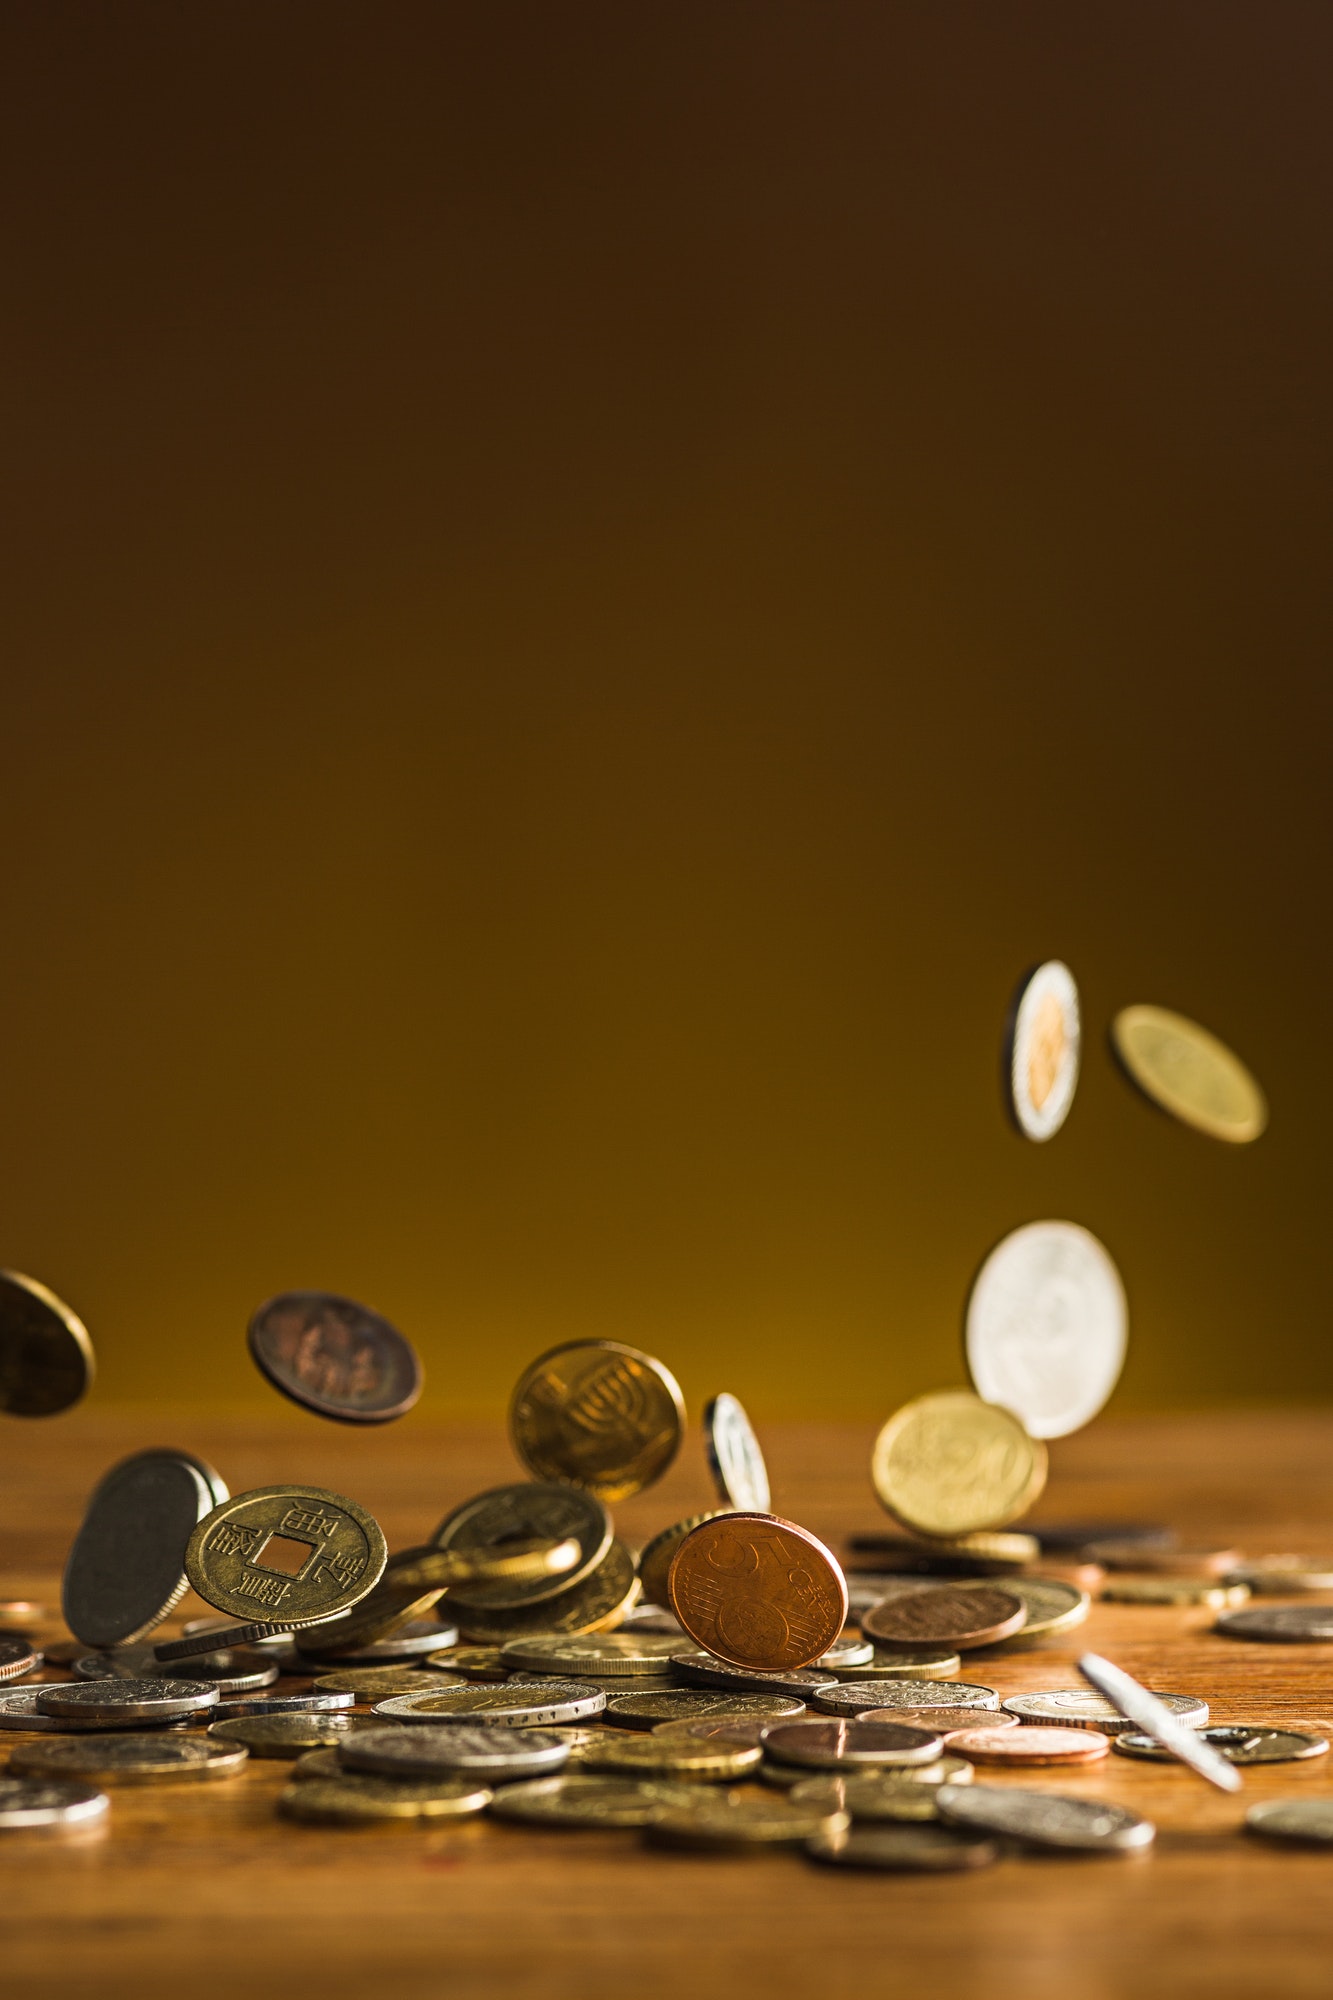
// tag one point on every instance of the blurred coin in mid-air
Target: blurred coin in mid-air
(1047, 1325)
(1041, 1051)
(1189, 1073)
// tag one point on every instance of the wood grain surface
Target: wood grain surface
(201, 1890)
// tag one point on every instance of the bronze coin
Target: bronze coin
(335, 1357)
(758, 1592)
(837, 1745)
(960, 1615)
(1034, 1745)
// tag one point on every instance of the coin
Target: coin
(961, 1615)
(335, 1357)
(619, 1655)
(19, 1613)
(1279, 1624)
(875, 1744)
(1079, 1708)
(377, 1683)
(1052, 1606)
(473, 1663)
(1283, 1576)
(845, 1653)
(46, 1357)
(1041, 1053)
(514, 1707)
(758, 1591)
(238, 1671)
(299, 1553)
(126, 1569)
(860, 1697)
(28, 1802)
(597, 1415)
(1143, 1709)
(685, 1758)
(1029, 1746)
(129, 1759)
(929, 1849)
(1293, 1819)
(1189, 1073)
(19, 1710)
(656, 1556)
(208, 1637)
(714, 1819)
(1239, 1743)
(581, 1801)
(734, 1457)
(1217, 1596)
(63, 1652)
(644, 1617)
(647, 1711)
(456, 1746)
(16, 1657)
(907, 1795)
(1073, 1537)
(1170, 1561)
(1047, 1324)
(702, 1669)
(948, 1463)
(987, 1552)
(127, 1701)
(723, 1728)
(352, 1799)
(597, 1604)
(914, 1664)
(512, 1562)
(506, 1517)
(1045, 1819)
(309, 1703)
(408, 1646)
(283, 1735)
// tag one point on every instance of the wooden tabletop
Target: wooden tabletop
(200, 1890)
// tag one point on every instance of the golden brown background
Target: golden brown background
(586, 586)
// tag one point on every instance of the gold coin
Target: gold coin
(595, 1605)
(992, 1545)
(288, 1555)
(1175, 1590)
(924, 1666)
(588, 1801)
(283, 1735)
(1189, 1073)
(125, 1758)
(738, 1819)
(474, 1663)
(1052, 1607)
(353, 1797)
(316, 1764)
(396, 1600)
(714, 1760)
(510, 1562)
(370, 1684)
(46, 1357)
(597, 1415)
(948, 1464)
(758, 1592)
(883, 1795)
(657, 1556)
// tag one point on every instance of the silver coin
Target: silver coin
(536, 1509)
(1079, 1708)
(456, 1746)
(1238, 1744)
(114, 1701)
(286, 1704)
(863, 1697)
(642, 1710)
(702, 1670)
(19, 1710)
(234, 1672)
(415, 1641)
(652, 1618)
(1044, 1819)
(1279, 1624)
(1293, 1819)
(504, 1704)
(1042, 1045)
(1047, 1325)
(734, 1457)
(40, 1802)
(626, 1656)
(846, 1653)
(17, 1658)
(283, 1735)
(126, 1569)
(196, 1643)
(925, 1849)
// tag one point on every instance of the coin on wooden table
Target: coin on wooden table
(309, 1703)
(1309, 1820)
(126, 1568)
(958, 1615)
(1079, 1708)
(758, 1592)
(296, 1553)
(847, 1652)
(507, 1517)
(886, 1663)
(46, 1357)
(1189, 1073)
(532, 1561)
(882, 1795)
(1045, 1819)
(645, 1617)
(619, 1655)
(1174, 1561)
(496, 1754)
(335, 1357)
(160, 1700)
(690, 1705)
(1047, 1325)
(988, 1552)
(837, 1745)
(242, 1670)
(1041, 1050)
(200, 1643)
(1052, 1608)
(1283, 1576)
(316, 1764)
(19, 1710)
(724, 1728)
(1239, 1743)
(948, 1463)
(738, 1820)
(352, 1799)
(585, 1801)
(369, 1684)
(657, 1555)
(704, 1669)
(680, 1758)
(1279, 1624)
(1218, 1596)
(865, 1697)
(33, 1802)
(598, 1415)
(283, 1735)
(130, 1759)
(16, 1657)
(610, 1684)
(1032, 1745)
(471, 1663)
(395, 1606)
(1073, 1537)
(411, 1645)
(734, 1457)
(597, 1604)
(931, 1849)
(506, 1705)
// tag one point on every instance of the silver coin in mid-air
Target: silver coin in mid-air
(734, 1457)
(1042, 1050)
(126, 1569)
(1045, 1819)
(1047, 1325)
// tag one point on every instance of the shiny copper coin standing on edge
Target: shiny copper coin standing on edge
(335, 1357)
(598, 1415)
(758, 1591)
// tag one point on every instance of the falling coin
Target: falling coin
(1047, 1325)
(1042, 1050)
(734, 1456)
(335, 1357)
(46, 1357)
(948, 1463)
(1189, 1073)
(598, 1415)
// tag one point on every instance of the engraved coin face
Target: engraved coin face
(335, 1357)
(1052, 1607)
(623, 1656)
(1047, 1325)
(1238, 1743)
(1042, 1050)
(734, 1457)
(930, 1849)
(456, 1746)
(1045, 1819)
(515, 1707)
(834, 1745)
(46, 1357)
(862, 1697)
(126, 1569)
(511, 1515)
(581, 1801)
(1308, 1820)
(128, 1701)
(130, 1759)
(597, 1415)
(758, 1592)
(596, 1604)
(1279, 1624)
(949, 1462)
(47, 1802)
(961, 1615)
(353, 1798)
(290, 1554)
(1187, 1072)
(1079, 1708)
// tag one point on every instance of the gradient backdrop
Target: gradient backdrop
(585, 586)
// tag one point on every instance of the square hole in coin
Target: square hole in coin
(284, 1554)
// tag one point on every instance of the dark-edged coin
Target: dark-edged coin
(734, 1457)
(722, 1820)
(1080, 1708)
(29, 1802)
(1279, 1624)
(928, 1849)
(863, 1697)
(159, 1700)
(456, 1746)
(300, 1554)
(647, 1711)
(1045, 1819)
(1239, 1744)
(1162, 1561)
(126, 1569)
(702, 1669)
(46, 1357)
(129, 1759)
(513, 1707)
(513, 1514)
(960, 1616)
(582, 1801)
(283, 1735)
(335, 1357)
(836, 1745)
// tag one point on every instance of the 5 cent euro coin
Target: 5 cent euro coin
(758, 1592)
(289, 1555)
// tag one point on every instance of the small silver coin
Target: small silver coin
(236, 1672)
(734, 1457)
(1079, 1708)
(126, 1569)
(115, 1701)
(846, 1653)
(415, 1641)
(276, 1645)
(922, 1849)
(1309, 1820)
(286, 1704)
(702, 1670)
(26, 1802)
(1279, 1624)
(1238, 1744)
(511, 1707)
(203, 1640)
(456, 1746)
(867, 1697)
(19, 1710)
(16, 1658)
(1044, 1819)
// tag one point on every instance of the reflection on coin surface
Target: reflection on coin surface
(1079, 1708)
(19, 1710)
(1170, 1560)
(1033, 1745)
(647, 1711)
(1293, 1819)
(611, 1655)
(883, 1795)
(1238, 1743)
(115, 1700)
(291, 1554)
(861, 1697)
(471, 1663)
(887, 1663)
(734, 1457)
(589, 1801)
(126, 1569)
(596, 1604)
(1189, 1073)
(335, 1357)
(758, 1592)
(1042, 1049)
(283, 1735)
(716, 1819)
(714, 1759)
(835, 1745)
(370, 1684)
(309, 1703)
(929, 1849)
(958, 1615)
(1047, 1324)
(506, 1515)
(354, 1799)
(598, 1415)
(948, 1462)
(1283, 1576)
(1279, 1624)
(456, 1746)
(507, 1705)
(703, 1669)
(26, 1802)
(46, 1357)
(1052, 1607)
(130, 1759)
(728, 1727)
(1046, 1819)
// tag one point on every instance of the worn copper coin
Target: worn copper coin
(46, 1357)
(931, 1849)
(1032, 1745)
(758, 1592)
(130, 1759)
(1279, 1624)
(734, 1457)
(960, 1615)
(509, 1517)
(335, 1357)
(836, 1745)
(598, 1415)
(126, 1569)
(692, 1705)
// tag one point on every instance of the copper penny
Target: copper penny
(758, 1592)
(335, 1357)
(958, 1615)
(837, 1745)
(1028, 1746)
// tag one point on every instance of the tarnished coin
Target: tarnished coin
(717, 1819)
(1189, 1073)
(353, 1799)
(513, 1707)
(239, 1671)
(597, 1415)
(296, 1553)
(471, 1663)
(19, 1710)
(838, 1745)
(128, 1701)
(947, 1463)
(1165, 1561)
(610, 1684)
(943, 1721)
(597, 1604)
(309, 1703)
(1052, 1607)
(647, 1711)
(398, 1604)
(129, 1759)
(335, 1357)
(704, 1669)
(907, 1795)
(846, 1653)
(860, 1697)
(610, 1655)
(29, 1802)
(1279, 1624)
(1047, 1324)
(1309, 1820)
(1079, 1708)
(734, 1457)
(1238, 1743)
(46, 1357)
(1032, 1745)
(886, 1663)
(284, 1735)
(959, 1615)
(1217, 1596)
(715, 1760)
(581, 1801)
(408, 1645)
(1283, 1576)
(532, 1561)
(369, 1684)
(1045, 1819)
(126, 1569)
(931, 1849)
(1041, 1051)
(456, 1746)
(507, 1517)
(758, 1591)
(987, 1552)
(17, 1657)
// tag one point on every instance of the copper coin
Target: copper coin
(1131, 1554)
(1029, 1746)
(758, 1592)
(335, 1357)
(959, 1615)
(836, 1745)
